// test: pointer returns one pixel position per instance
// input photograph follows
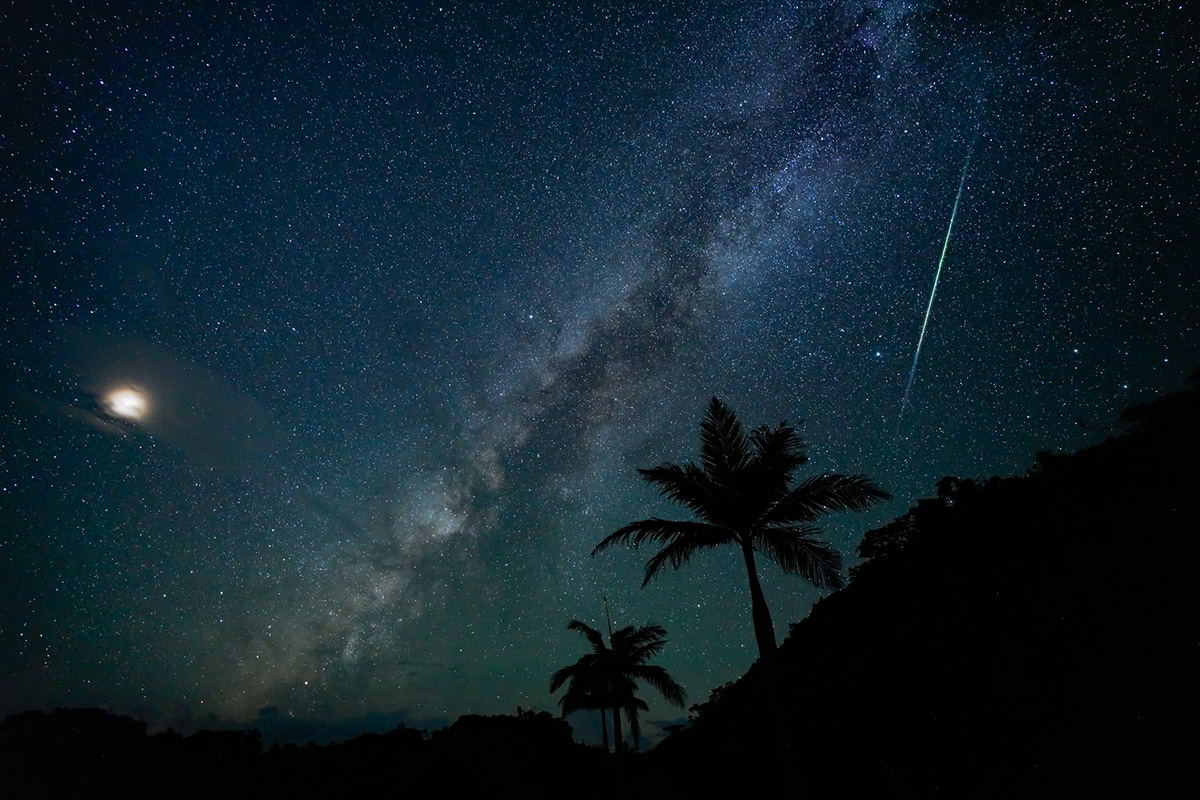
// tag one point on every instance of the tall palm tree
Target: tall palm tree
(607, 677)
(585, 690)
(741, 491)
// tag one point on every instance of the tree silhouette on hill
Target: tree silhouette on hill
(742, 493)
(607, 677)
(1023, 636)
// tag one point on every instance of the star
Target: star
(376, 316)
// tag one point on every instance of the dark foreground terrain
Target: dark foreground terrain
(1032, 636)
(1026, 637)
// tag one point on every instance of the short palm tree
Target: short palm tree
(585, 691)
(742, 493)
(607, 677)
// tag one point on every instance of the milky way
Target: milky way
(413, 292)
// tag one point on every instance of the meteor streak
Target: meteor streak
(933, 292)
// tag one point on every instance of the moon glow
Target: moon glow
(126, 403)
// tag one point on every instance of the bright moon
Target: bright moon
(127, 403)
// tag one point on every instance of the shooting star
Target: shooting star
(933, 292)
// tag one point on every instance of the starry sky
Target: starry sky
(410, 290)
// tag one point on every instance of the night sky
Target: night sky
(409, 291)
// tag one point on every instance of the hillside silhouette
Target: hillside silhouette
(1033, 636)
(1029, 636)
(79, 752)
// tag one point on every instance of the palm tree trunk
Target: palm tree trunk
(764, 630)
(616, 729)
(604, 726)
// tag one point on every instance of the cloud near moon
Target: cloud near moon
(215, 425)
(127, 403)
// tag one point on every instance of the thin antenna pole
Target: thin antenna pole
(609, 618)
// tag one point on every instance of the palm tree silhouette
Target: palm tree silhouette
(585, 690)
(607, 677)
(742, 493)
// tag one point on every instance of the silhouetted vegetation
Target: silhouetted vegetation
(607, 677)
(1029, 636)
(741, 491)
(90, 752)
(1021, 637)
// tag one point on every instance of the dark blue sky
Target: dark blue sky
(410, 291)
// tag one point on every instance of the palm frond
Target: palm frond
(630, 640)
(778, 452)
(593, 636)
(579, 696)
(796, 551)
(585, 666)
(686, 484)
(678, 553)
(724, 449)
(641, 655)
(642, 645)
(561, 676)
(643, 652)
(661, 681)
(823, 493)
(631, 708)
(663, 531)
